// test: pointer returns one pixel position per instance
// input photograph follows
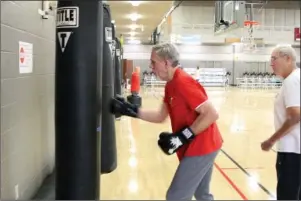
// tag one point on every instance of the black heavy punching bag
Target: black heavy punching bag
(118, 66)
(113, 46)
(77, 95)
(108, 138)
(117, 71)
(122, 63)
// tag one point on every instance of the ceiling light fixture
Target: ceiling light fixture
(134, 16)
(132, 33)
(133, 26)
(135, 3)
(113, 21)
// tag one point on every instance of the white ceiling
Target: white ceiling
(150, 14)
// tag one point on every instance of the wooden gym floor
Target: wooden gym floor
(242, 171)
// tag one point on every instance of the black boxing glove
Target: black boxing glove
(171, 142)
(120, 106)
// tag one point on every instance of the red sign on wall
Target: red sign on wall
(297, 34)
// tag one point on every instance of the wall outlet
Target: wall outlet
(16, 192)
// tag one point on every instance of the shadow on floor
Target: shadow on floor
(47, 189)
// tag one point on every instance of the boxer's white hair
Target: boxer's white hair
(167, 51)
(286, 50)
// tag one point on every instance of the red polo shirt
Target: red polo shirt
(183, 95)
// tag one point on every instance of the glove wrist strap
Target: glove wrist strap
(188, 134)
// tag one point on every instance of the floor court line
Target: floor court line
(243, 170)
(247, 168)
(241, 194)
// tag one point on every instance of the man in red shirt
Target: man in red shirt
(195, 136)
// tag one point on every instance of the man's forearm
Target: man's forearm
(203, 122)
(153, 116)
(288, 124)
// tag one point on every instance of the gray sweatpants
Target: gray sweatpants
(192, 178)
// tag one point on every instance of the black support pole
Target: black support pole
(77, 99)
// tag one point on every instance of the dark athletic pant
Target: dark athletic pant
(288, 167)
(192, 178)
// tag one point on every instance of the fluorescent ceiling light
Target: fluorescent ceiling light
(135, 3)
(133, 33)
(133, 26)
(134, 16)
(113, 21)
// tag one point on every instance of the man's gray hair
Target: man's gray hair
(286, 50)
(167, 51)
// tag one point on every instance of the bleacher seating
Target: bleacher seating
(261, 80)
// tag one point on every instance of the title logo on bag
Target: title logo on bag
(67, 17)
(63, 39)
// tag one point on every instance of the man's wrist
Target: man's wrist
(187, 133)
(273, 139)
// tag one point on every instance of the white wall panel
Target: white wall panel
(279, 17)
(297, 18)
(289, 17)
